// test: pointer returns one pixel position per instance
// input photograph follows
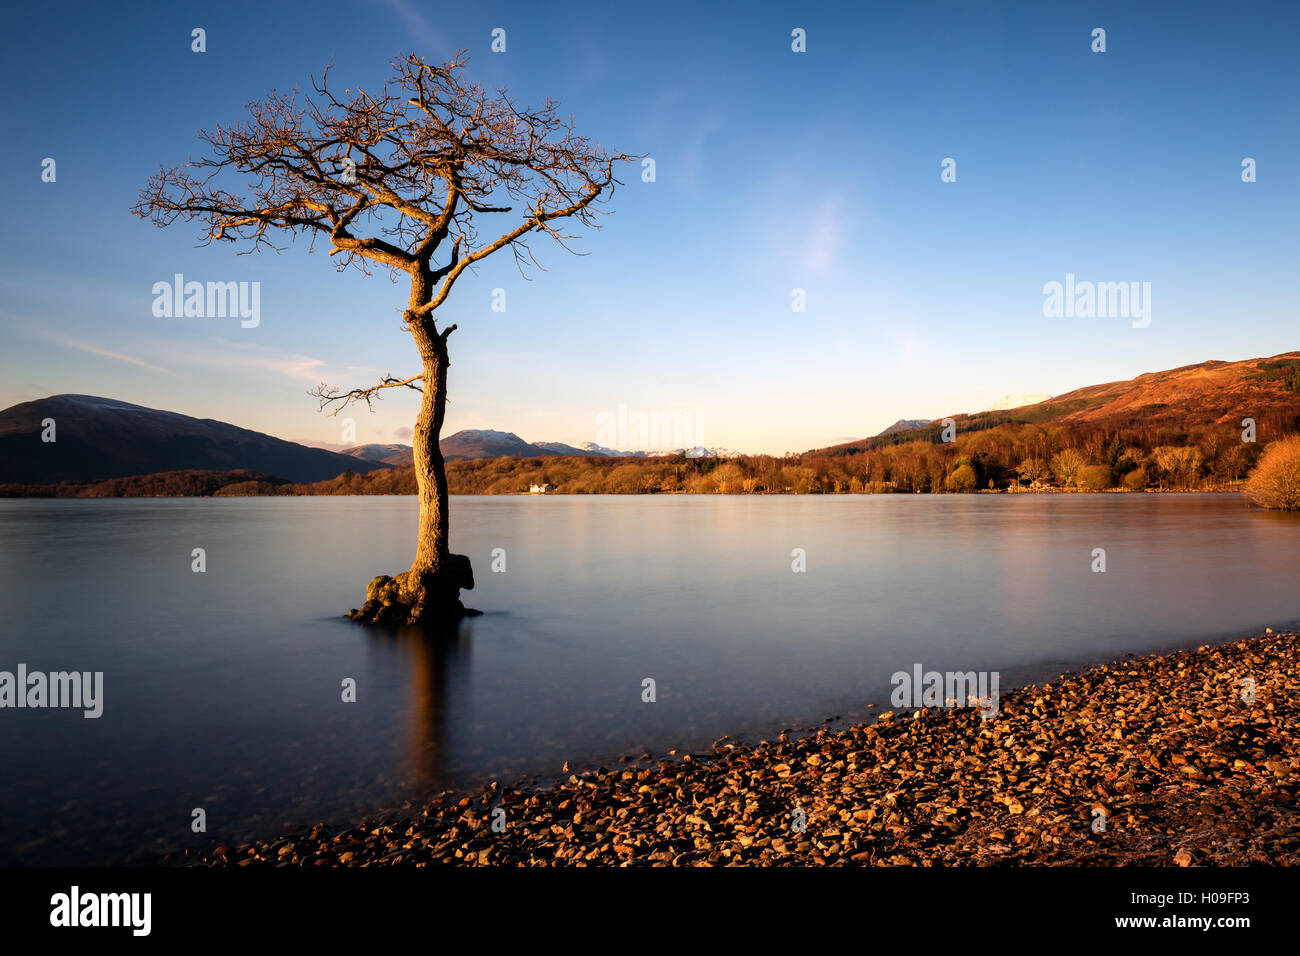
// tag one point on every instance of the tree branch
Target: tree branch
(388, 177)
(329, 395)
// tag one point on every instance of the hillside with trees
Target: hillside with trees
(1180, 430)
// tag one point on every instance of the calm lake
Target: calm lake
(222, 690)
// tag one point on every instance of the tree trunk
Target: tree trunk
(430, 470)
(429, 591)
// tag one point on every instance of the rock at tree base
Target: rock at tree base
(427, 598)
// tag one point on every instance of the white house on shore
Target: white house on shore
(541, 489)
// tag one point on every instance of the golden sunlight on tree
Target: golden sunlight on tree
(1275, 483)
(412, 179)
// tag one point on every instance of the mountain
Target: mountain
(1207, 393)
(699, 451)
(101, 438)
(559, 448)
(904, 425)
(397, 455)
(591, 448)
(1191, 396)
(486, 443)
(98, 438)
(471, 443)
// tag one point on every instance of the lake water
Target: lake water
(222, 690)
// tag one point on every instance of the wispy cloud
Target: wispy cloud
(694, 147)
(90, 348)
(294, 366)
(822, 238)
(676, 133)
(109, 354)
(429, 39)
(247, 356)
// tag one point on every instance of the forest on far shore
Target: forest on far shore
(1007, 457)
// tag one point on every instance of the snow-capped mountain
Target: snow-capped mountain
(1016, 401)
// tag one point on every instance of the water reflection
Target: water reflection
(439, 661)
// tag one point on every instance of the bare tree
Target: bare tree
(400, 179)
(1065, 465)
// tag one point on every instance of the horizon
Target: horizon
(344, 446)
(924, 298)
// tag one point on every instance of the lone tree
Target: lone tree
(402, 179)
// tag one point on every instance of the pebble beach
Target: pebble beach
(1183, 759)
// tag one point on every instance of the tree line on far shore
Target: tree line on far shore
(1009, 457)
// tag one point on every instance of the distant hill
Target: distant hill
(1122, 427)
(471, 443)
(1208, 393)
(1201, 394)
(591, 448)
(905, 425)
(560, 448)
(486, 443)
(102, 438)
(397, 455)
(490, 443)
(98, 438)
(699, 451)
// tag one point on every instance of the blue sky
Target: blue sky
(775, 170)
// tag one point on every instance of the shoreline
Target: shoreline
(41, 494)
(1161, 751)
